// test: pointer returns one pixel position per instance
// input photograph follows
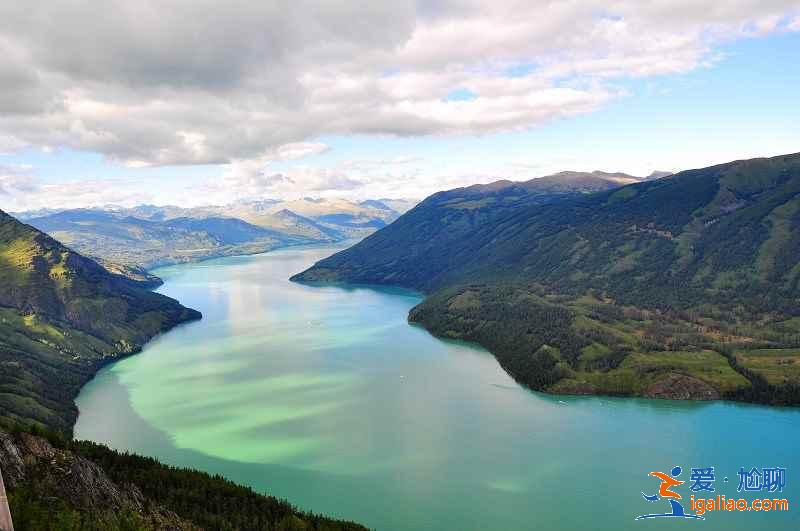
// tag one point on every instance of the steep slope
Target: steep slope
(418, 249)
(79, 492)
(62, 316)
(705, 260)
(132, 272)
(724, 232)
(55, 484)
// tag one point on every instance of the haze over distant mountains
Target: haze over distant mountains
(147, 236)
(130, 240)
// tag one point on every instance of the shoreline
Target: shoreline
(549, 393)
(151, 269)
(425, 297)
(110, 360)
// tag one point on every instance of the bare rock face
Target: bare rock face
(78, 481)
(11, 462)
(682, 387)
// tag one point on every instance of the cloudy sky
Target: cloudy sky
(195, 101)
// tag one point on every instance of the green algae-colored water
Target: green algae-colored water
(327, 397)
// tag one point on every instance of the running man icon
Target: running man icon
(665, 491)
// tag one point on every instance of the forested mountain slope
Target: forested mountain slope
(57, 485)
(706, 260)
(417, 249)
(62, 316)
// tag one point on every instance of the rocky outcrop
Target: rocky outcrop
(682, 387)
(27, 459)
(132, 272)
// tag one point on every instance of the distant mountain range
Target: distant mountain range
(132, 239)
(671, 286)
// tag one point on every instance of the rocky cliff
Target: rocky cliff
(68, 482)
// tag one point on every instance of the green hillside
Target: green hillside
(62, 316)
(417, 250)
(57, 485)
(706, 260)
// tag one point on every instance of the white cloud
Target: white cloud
(298, 150)
(21, 190)
(254, 178)
(246, 84)
(11, 184)
(152, 83)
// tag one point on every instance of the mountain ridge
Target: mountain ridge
(707, 258)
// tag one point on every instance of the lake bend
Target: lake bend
(326, 396)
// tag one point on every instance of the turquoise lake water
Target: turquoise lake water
(327, 397)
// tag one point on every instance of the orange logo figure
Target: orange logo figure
(666, 493)
(667, 482)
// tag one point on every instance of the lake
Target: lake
(327, 397)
